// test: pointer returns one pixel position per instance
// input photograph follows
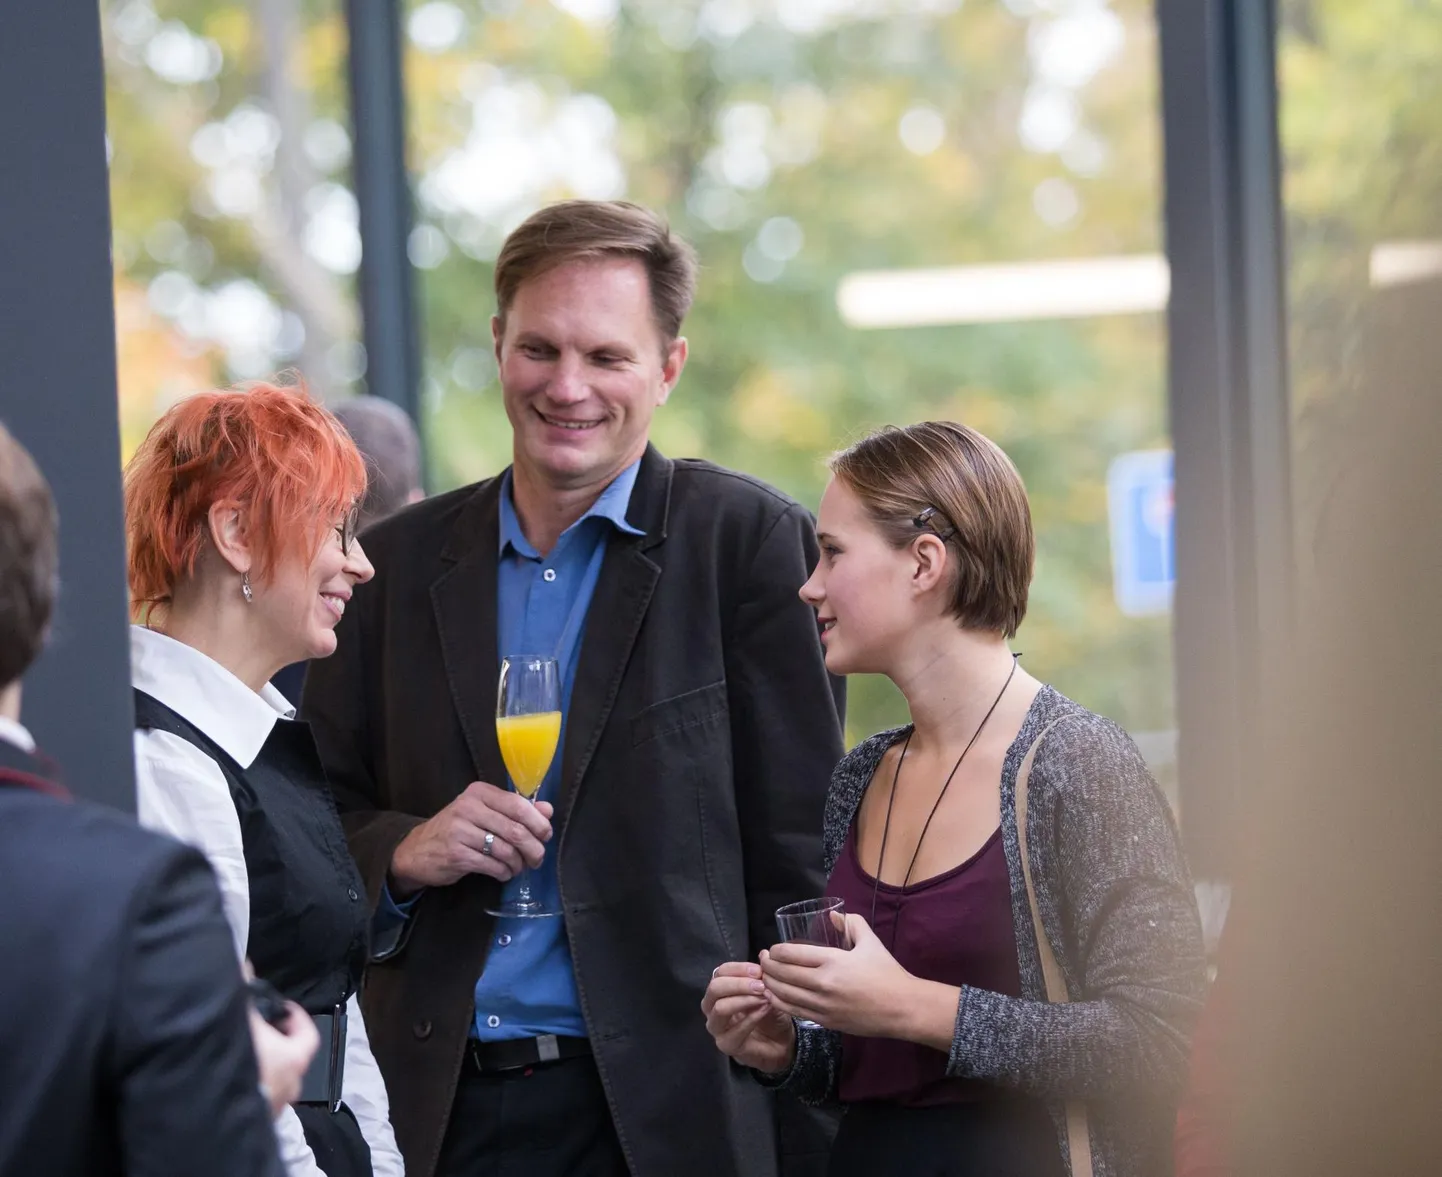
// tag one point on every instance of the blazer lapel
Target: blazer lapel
(613, 621)
(464, 599)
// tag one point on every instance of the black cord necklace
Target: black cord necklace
(891, 801)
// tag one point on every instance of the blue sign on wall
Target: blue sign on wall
(1140, 504)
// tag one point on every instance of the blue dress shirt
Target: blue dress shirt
(528, 986)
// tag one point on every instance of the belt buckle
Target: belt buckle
(548, 1048)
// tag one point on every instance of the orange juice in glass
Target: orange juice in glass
(528, 728)
(528, 745)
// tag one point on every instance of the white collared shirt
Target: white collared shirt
(14, 732)
(183, 792)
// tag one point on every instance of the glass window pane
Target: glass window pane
(235, 229)
(1361, 139)
(804, 147)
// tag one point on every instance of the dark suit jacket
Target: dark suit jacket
(124, 1045)
(702, 734)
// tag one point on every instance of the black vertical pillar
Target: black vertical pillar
(1228, 398)
(383, 194)
(57, 377)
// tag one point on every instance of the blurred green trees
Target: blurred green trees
(793, 141)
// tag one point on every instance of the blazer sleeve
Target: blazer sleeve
(1131, 932)
(338, 697)
(180, 1056)
(785, 725)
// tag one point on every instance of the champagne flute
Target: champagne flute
(528, 728)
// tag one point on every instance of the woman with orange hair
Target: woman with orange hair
(240, 523)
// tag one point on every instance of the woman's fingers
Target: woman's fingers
(798, 1002)
(801, 976)
(728, 1009)
(731, 986)
(726, 977)
(734, 1039)
(736, 968)
(801, 955)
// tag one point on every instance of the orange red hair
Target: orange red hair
(275, 452)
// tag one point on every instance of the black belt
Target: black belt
(486, 1058)
(323, 1078)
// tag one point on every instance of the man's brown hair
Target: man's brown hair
(29, 559)
(945, 478)
(578, 230)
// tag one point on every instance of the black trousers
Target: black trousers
(335, 1138)
(995, 1138)
(550, 1120)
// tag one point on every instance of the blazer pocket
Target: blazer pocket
(691, 709)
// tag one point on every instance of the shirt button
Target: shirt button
(548, 575)
(504, 939)
(493, 1021)
(354, 895)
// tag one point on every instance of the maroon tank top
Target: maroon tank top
(955, 928)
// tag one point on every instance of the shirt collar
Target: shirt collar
(201, 691)
(610, 506)
(14, 732)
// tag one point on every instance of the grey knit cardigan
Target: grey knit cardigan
(1118, 908)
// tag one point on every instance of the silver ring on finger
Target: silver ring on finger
(488, 844)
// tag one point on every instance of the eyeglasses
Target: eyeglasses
(924, 522)
(346, 529)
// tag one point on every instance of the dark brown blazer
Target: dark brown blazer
(701, 738)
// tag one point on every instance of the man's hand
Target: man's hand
(453, 844)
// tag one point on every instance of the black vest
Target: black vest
(308, 917)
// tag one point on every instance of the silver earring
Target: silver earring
(245, 587)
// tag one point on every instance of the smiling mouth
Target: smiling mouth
(336, 603)
(562, 423)
(827, 624)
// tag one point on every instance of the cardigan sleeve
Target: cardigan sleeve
(1117, 904)
(814, 1074)
(1202, 1138)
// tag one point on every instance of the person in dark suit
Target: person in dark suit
(124, 1047)
(700, 730)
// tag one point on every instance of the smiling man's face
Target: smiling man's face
(583, 369)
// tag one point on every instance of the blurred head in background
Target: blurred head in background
(241, 512)
(29, 563)
(387, 440)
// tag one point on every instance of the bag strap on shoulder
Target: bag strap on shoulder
(1077, 1130)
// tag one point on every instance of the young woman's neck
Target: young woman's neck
(215, 619)
(951, 678)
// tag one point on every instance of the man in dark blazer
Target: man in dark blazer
(124, 1047)
(685, 804)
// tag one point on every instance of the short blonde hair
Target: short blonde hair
(948, 479)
